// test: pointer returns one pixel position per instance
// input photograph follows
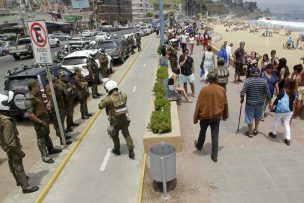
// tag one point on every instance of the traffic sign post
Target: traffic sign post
(41, 48)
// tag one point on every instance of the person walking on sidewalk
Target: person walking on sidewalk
(191, 43)
(239, 61)
(209, 61)
(186, 64)
(283, 108)
(211, 105)
(10, 143)
(115, 104)
(256, 89)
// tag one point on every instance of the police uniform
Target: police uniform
(115, 105)
(60, 94)
(34, 105)
(70, 96)
(94, 73)
(138, 42)
(172, 56)
(222, 73)
(10, 143)
(81, 87)
(104, 62)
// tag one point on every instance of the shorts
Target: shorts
(238, 67)
(253, 112)
(185, 79)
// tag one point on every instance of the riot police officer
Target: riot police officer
(38, 113)
(10, 143)
(60, 94)
(104, 62)
(82, 89)
(138, 42)
(117, 110)
(94, 74)
(70, 96)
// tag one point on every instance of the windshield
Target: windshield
(18, 84)
(24, 41)
(108, 45)
(74, 61)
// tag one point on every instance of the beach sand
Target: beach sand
(256, 42)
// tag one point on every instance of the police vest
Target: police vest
(119, 105)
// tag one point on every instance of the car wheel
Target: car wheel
(122, 59)
(111, 68)
(58, 44)
(3, 53)
(16, 57)
(18, 102)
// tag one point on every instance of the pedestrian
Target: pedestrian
(38, 112)
(264, 62)
(60, 97)
(274, 60)
(239, 61)
(229, 55)
(94, 75)
(206, 39)
(209, 61)
(174, 84)
(282, 73)
(104, 62)
(183, 41)
(272, 82)
(82, 89)
(256, 90)
(10, 143)
(191, 40)
(298, 75)
(70, 97)
(222, 73)
(115, 104)
(186, 64)
(283, 108)
(211, 106)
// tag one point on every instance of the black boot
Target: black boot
(74, 124)
(96, 96)
(89, 114)
(116, 151)
(55, 151)
(99, 94)
(131, 154)
(47, 160)
(67, 142)
(30, 189)
(84, 117)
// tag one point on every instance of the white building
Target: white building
(140, 8)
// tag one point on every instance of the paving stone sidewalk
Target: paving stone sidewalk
(258, 169)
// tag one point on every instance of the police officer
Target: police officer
(172, 55)
(138, 42)
(94, 74)
(222, 73)
(82, 89)
(10, 143)
(132, 43)
(104, 62)
(70, 96)
(60, 94)
(38, 113)
(116, 108)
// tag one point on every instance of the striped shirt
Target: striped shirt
(256, 90)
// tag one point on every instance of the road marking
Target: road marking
(134, 89)
(105, 160)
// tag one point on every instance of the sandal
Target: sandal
(248, 134)
(255, 132)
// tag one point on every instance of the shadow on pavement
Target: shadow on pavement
(35, 178)
(206, 150)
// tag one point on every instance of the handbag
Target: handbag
(202, 63)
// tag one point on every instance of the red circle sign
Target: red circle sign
(40, 40)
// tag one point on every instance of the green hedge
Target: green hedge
(161, 117)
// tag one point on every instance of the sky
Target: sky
(280, 1)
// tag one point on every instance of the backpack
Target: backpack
(283, 104)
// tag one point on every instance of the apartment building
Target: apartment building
(140, 8)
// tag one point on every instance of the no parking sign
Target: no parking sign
(40, 42)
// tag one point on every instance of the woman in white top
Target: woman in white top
(173, 84)
(209, 61)
(191, 40)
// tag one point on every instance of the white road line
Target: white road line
(134, 89)
(105, 160)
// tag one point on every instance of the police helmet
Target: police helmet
(220, 61)
(93, 43)
(102, 51)
(32, 83)
(212, 76)
(110, 85)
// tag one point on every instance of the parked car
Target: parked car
(146, 30)
(117, 49)
(78, 42)
(53, 41)
(88, 33)
(3, 48)
(79, 59)
(3, 37)
(21, 47)
(61, 35)
(102, 36)
(141, 32)
(17, 83)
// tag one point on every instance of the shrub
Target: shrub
(162, 73)
(160, 122)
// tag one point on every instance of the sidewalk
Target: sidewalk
(258, 169)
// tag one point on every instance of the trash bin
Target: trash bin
(163, 162)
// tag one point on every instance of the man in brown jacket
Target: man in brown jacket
(211, 105)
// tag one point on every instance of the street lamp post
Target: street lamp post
(161, 22)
